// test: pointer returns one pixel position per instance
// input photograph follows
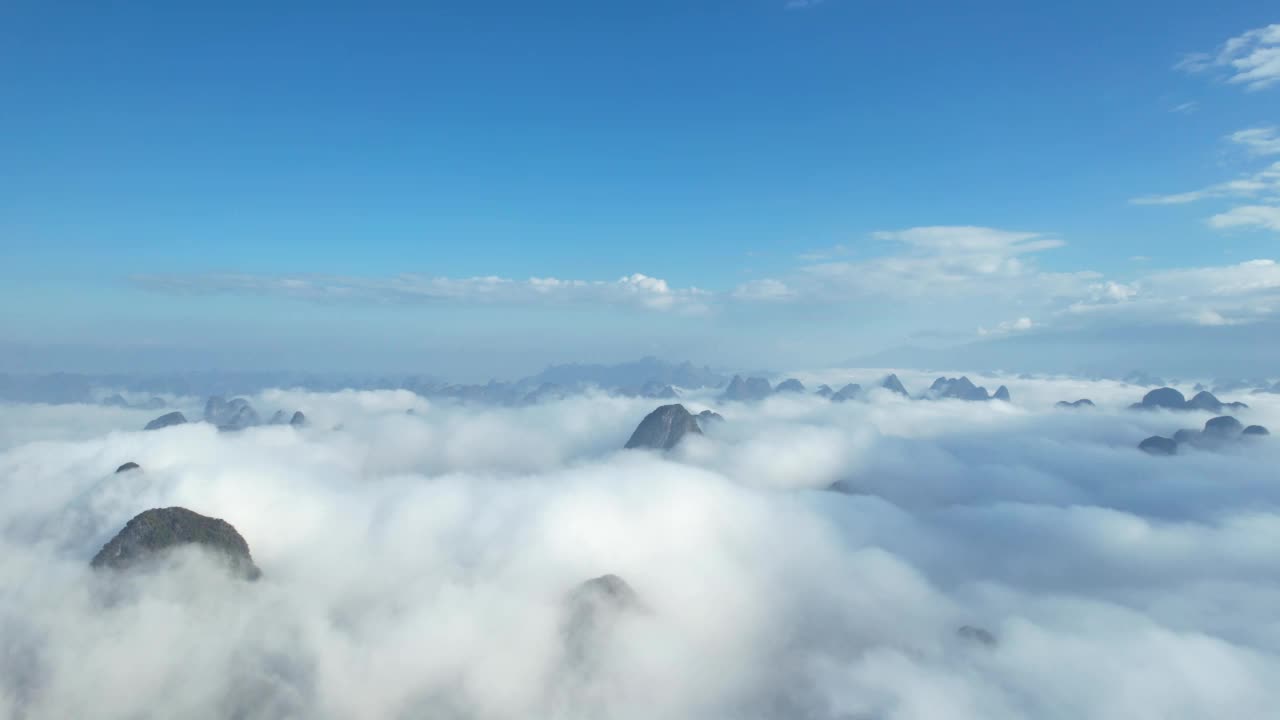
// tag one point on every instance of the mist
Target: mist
(803, 559)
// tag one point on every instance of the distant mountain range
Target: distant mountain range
(647, 377)
(106, 388)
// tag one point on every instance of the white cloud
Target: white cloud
(635, 290)
(953, 274)
(1261, 187)
(1210, 318)
(937, 260)
(1265, 217)
(1251, 59)
(1216, 295)
(959, 271)
(1008, 326)
(970, 239)
(765, 289)
(651, 292)
(1118, 292)
(1258, 140)
(1185, 108)
(1265, 182)
(1246, 278)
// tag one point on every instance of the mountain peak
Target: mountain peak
(663, 428)
(153, 532)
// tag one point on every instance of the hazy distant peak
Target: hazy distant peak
(747, 389)
(1171, 399)
(166, 420)
(961, 388)
(790, 385)
(893, 384)
(233, 414)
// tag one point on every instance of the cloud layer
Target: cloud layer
(637, 289)
(418, 564)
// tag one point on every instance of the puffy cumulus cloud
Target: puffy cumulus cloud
(655, 293)
(1251, 59)
(634, 290)
(418, 565)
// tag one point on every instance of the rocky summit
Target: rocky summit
(1157, 445)
(961, 388)
(1224, 426)
(893, 384)
(607, 590)
(599, 599)
(282, 417)
(848, 392)
(1186, 435)
(1218, 433)
(128, 466)
(150, 534)
(978, 635)
(234, 414)
(663, 428)
(709, 416)
(1167, 398)
(1205, 400)
(167, 420)
(592, 609)
(790, 385)
(1082, 402)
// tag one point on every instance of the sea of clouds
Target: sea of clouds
(418, 565)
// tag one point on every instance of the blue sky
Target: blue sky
(243, 186)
